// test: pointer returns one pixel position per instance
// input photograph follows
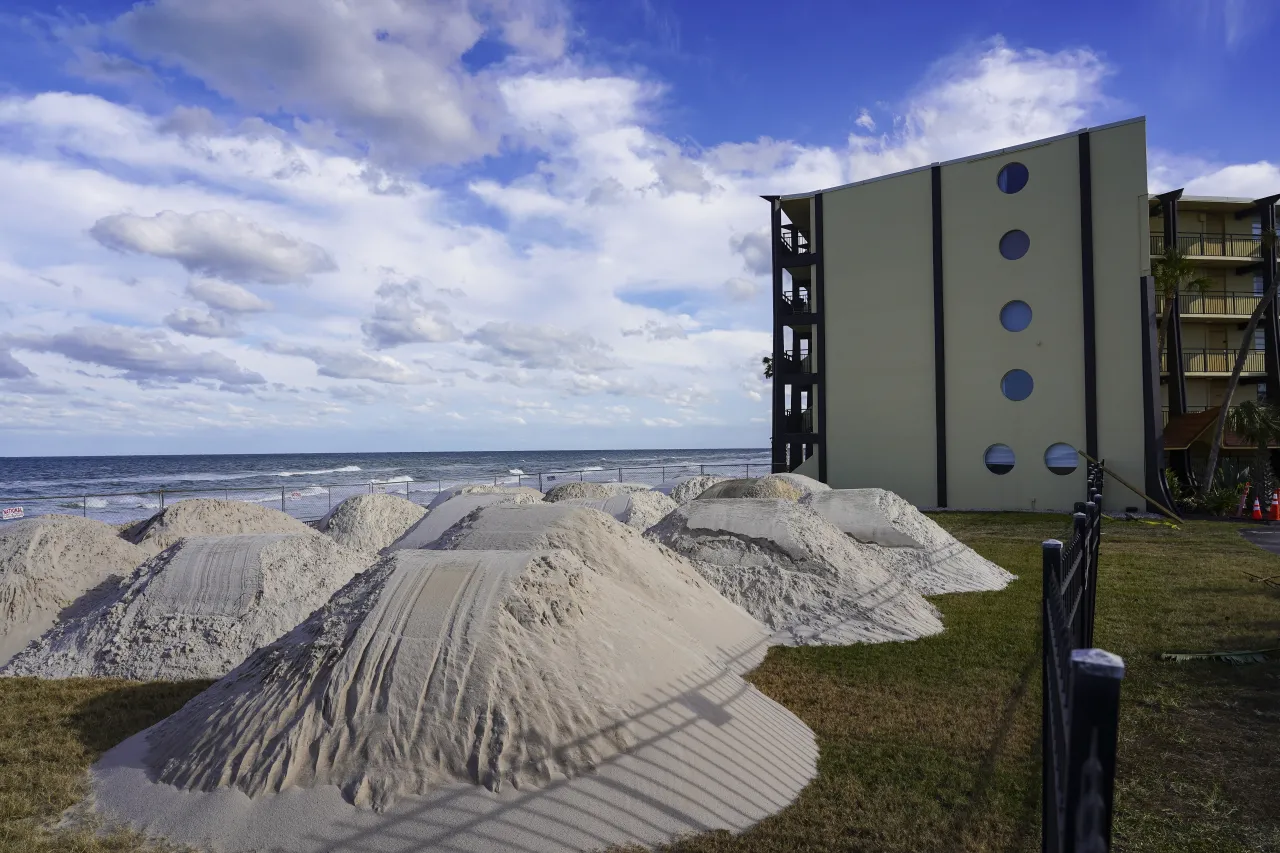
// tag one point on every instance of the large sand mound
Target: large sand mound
(371, 522)
(638, 510)
(446, 515)
(593, 491)
(208, 517)
(806, 485)
(196, 610)
(481, 489)
(876, 514)
(49, 562)
(798, 573)
(534, 700)
(743, 488)
(686, 489)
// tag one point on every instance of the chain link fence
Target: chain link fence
(311, 503)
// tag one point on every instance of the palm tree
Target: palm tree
(1174, 274)
(1268, 298)
(768, 366)
(1258, 424)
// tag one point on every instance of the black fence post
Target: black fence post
(1051, 703)
(1095, 550)
(1095, 710)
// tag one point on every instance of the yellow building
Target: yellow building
(954, 332)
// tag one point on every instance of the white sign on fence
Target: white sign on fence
(11, 513)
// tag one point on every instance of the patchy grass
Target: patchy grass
(925, 746)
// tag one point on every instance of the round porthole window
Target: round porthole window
(1061, 458)
(1012, 178)
(1015, 316)
(1014, 245)
(1017, 385)
(999, 458)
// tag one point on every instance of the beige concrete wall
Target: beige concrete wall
(1120, 233)
(809, 467)
(978, 282)
(878, 288)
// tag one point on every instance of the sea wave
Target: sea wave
(345, 469)
(593, 468)
(516, 471)
(403, 478)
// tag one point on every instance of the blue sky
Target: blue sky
(250, 226)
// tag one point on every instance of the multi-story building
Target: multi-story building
(956, 332)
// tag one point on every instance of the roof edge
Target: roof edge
(1011, 149)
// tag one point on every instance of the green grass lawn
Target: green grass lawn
(925, 746)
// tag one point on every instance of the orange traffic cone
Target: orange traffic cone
(1257, 510)
(1274, 515)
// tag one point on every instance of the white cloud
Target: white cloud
(540, 347)
(353, 364)
(742, 289)
(215, 243)
(223, 296)
(203, 324)
(403, 315)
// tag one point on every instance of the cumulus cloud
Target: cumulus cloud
(655, 330)
(403, 315)
(189, 321)
(11, 368)
(215, 243)
(754, 248)
(222, 296)
(384, 75)
(143, 355)
(742, 289)
(354, 364)
(192, 121)
(540, 347)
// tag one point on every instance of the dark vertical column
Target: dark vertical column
(1173, 334)
(1153, 429)
(778, 441)
(818, 395)
(939, 350)
(1271, 319)
(1086, 278)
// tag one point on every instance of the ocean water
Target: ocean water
(117, 489)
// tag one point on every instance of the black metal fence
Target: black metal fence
(1212, 245)
(1081, 691)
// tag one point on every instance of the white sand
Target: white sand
(638, 510)
(686, 489)
(948, 565)
(798, 573)
(481, 489)
(54, 563)
(593, 491)
(196, 610)
(806, 485)
(449, 513)
(207, 517)
(753, 488)
(479, 701)
(371, 522)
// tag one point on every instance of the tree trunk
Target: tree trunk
(1261, 476)
(1246, 344)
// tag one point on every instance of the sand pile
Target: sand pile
(207, 517)
(594, 491)
(799, 574)
(196, 610)
(686, 489)
(763, 487)
(481, 489)
(371, 522)
(449, 513)
(877, 515)
(48, 563)
(638, 510)
(806, 485)
(488, 683)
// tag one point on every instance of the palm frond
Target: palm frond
(1233, 658)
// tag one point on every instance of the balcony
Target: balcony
(798, 423)
(1216, 362)
(790, 365)
(795, 241)
(1235, 247)
(797, 302)
(1232, 306)
(1164, 412)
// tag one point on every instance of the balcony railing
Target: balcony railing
(1227, 304)
(797, 302)
(798, 422)
(1164, 412)
(796, 364)
(1212, 245)
(1216, 361)
(794, 240)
